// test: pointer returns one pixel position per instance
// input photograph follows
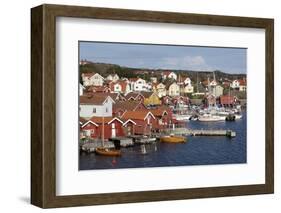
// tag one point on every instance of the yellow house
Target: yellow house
(150, 98)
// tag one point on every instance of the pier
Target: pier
(197, 132)
(119, 142)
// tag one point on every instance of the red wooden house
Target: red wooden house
(103, 127)
(162, 118)
(145, 121)
(228, 100)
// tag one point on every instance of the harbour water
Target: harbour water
(199, 150)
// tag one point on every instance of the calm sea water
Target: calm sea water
(199, 150)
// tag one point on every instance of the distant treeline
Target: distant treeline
(106, 69)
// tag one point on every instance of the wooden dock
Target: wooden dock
(199, 132)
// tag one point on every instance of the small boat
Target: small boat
(173, 139)
(108, 152)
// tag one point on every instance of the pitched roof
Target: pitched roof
(146, 94)
(105, 120)
(98, 88)
(92, 99)
(113, 96)
(95, 98)
(88, 74)
(133, 95)
(158, 112)
(82, 120)
(137, 115)
(126, 105)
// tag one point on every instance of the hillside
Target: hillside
(105, 69)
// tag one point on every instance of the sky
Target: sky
(148, 56)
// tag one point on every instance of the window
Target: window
(106, 109)
(94, 110)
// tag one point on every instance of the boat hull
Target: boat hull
(108, 152)
(173, 139)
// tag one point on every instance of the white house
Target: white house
(98, 105)
(161, 90)
(217, 90)
(120, 87)
(92, 79)
(187, 81)
(213, 83)
(81, 89)
(173, 89)
(153, 80)
(168, 74)
(235, 84)
(138, 84)
(188, 89)
(112, 77)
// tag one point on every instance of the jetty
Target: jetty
(92, 145)
(122, 142)
(197, 132)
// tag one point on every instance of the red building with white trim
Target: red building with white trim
(107, 127)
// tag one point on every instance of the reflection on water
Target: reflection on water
(197, 151)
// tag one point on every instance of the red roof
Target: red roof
(98, 88)
(166, 73)
(136, 115)
(105, 120)
(88, 74)
(127, 105)
(226, 99)
(242, 82)
(93, 98)
(133, 95)
(158, 112)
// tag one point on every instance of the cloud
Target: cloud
(186, 63)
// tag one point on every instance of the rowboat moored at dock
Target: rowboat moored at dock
(108, 152)
(173, 139)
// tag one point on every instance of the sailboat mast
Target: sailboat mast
(102, 131)
(197, 83)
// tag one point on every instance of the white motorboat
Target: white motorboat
(238, 116)
(183, 117)
(210, 117)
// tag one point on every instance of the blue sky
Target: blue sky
(229, 60)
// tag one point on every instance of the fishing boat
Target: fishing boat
(108, 152)
(173, 139)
